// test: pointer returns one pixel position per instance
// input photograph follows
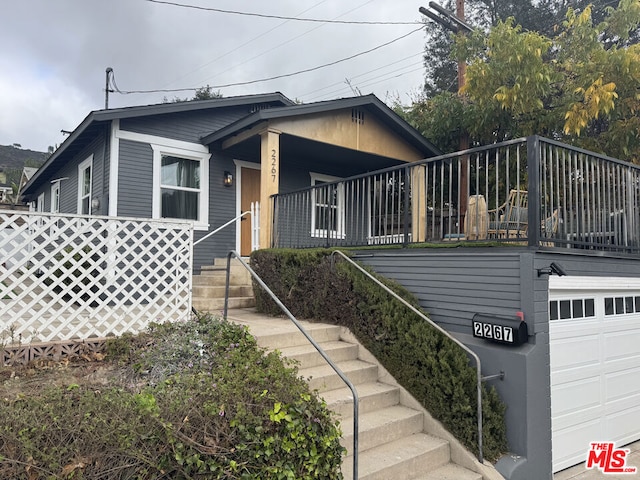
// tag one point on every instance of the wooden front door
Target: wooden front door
(249, 192)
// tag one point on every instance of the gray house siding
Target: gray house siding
(186, 126)
(69, 173)
(222, 208)
(454, 286)
(135, 179)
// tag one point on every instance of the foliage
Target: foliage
(202, 93)
(578, 85)
(426, 362)
(196, 400)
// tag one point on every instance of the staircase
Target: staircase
(392, 441)
(209, 287)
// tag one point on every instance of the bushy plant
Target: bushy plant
(428, 364)
(196, 400)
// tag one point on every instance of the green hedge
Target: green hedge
(433, 368)
(194, 400)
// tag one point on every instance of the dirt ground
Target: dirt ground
(90, 370)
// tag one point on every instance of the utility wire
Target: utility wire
(276, 77)
(278, 17)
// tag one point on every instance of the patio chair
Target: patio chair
(549, 228)
(510, 219)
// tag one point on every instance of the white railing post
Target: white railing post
(255, 226)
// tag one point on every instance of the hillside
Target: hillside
(12, 157)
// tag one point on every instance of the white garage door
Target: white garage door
(595, 364)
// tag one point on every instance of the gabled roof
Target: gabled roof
(96, 121)
(386, 115)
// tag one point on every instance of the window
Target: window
(621, 305)
(568, 309)
(55, 197)
(179, 188)
(84, 186)
(180, 185)
(327, 207)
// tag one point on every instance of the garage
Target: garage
(594, 337)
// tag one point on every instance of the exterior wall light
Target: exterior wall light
(227, 179)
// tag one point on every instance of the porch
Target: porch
(530, 191)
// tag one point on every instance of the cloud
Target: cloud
(53, 74)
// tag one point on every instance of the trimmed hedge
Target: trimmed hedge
(428, 364)
(194, 400)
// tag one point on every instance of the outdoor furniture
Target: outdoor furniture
(476, 218)
(510, 219)
(549, 228)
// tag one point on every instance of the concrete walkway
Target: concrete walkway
(579, 472)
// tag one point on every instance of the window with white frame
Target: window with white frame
(55, 197)
(327, 207)
(84, 186)
(180, 185)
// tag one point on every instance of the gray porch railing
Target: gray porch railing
(531, 191)
(318, 348)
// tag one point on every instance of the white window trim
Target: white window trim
(88, 163)
(203, 207)
(55, 193)
(40, 203)
(322, 233)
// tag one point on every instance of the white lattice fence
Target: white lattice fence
(67, 276)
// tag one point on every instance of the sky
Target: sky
(55, 52)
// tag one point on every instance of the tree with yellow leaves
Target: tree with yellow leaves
(580, 86)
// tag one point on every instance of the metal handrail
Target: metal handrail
(440, 329)
(324, 355)
(235, 219)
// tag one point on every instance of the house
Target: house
(207, 161)
(526, 251)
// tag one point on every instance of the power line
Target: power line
(243, 45)
(278, 17)
(276, 77)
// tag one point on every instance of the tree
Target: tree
(202, 93)
(579, 85)
(544, 16)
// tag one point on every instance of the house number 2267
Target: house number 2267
(274, 164)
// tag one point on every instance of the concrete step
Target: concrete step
(382, 426)
(277, 337)
(450, 471)
(307, 356)
(372, 396)
(217, 304)
(323, 378)
(219, 280)
(208, 291)
(405, 458)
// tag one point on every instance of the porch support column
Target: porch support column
(418, 204)
(269, 182)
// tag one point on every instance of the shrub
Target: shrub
(198, 400)
(428, 364)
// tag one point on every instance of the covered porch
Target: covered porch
(277, 151)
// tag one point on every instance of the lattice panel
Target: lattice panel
(71, 277)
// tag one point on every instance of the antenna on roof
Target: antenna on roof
(107, 90)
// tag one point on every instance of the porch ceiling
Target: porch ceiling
(323, 157)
